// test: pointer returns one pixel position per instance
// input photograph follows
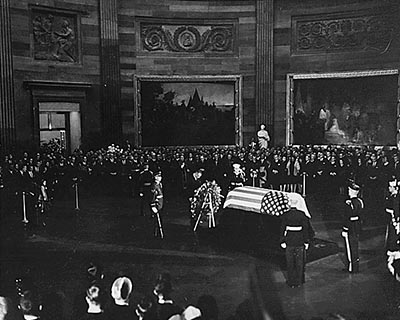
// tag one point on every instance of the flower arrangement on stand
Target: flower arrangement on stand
(205, 203)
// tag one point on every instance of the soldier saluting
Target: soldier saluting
(352, 228)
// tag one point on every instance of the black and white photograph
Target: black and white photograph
(199, 159)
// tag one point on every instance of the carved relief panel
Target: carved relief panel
(55, 35)
(351, 31)
(187, 37)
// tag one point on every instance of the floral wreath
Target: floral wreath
(198, 200)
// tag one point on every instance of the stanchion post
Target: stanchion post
(24, 219)
(76, 196)
(304, 184)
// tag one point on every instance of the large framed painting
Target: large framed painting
(188, 111)
(344, 108)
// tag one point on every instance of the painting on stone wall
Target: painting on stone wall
(55, 36)
(177, 113)
(346, 111)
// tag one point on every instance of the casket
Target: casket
(251, 217)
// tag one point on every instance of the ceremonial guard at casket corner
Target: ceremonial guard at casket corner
(295, 238)
(352, 216)
(157, 204)
(145, 181)
(392, 209)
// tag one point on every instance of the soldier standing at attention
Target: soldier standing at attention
(392, 208)
(295, 235)
(352, 228)
(145, 181)
(157, 204)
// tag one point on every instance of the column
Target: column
(110, 71)
(7, 104)
(264, 63)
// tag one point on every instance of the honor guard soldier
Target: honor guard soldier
(392, 208)
(352, 227)
(157, 204)
(145, 181)
(295, 238)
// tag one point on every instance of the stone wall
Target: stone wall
(37, 57)
(137, 60)
(296, 57)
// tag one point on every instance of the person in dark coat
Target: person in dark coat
(352, 227)
(120, 308)
(295, 239)
(165, 306)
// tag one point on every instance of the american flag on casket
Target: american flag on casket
(264, 201)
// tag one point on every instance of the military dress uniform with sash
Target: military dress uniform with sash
(157, 204)
(295, 239)
(351, 231)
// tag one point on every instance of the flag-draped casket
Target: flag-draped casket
(251, 215)
(264, 201)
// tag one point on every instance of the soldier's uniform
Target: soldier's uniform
(352, 227)
(145, 181)
(295, 235)
(392, 209)
(157, 204)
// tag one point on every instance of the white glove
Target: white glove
(141, 194)
(306, 246)
(344, 234)
(283, 245)
(154, 209)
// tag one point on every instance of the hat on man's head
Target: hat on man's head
(121, 289)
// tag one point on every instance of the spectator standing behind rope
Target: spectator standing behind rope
(352, 227)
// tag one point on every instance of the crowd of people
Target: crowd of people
(104, 299)
(326, 168)
(312, 170)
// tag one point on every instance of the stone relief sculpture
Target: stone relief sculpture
(350, 32)
(188, 38)
(54, 37)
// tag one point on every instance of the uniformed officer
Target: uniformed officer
(295, 238)
(392, 208)
(145, 181)
(352, 227)
(157, 204)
